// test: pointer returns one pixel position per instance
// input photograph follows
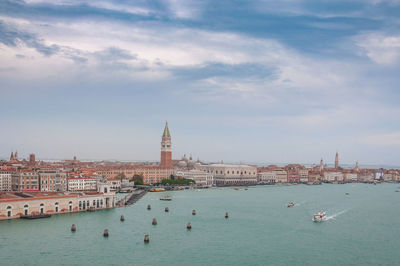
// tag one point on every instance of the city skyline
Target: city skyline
(256, 82)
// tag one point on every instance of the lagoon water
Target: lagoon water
(362, 229)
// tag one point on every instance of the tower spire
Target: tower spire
(166, 130)
(337, 160)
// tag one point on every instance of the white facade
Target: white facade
(332, 176)
(281, 176)
(202, 178)
(82, 184)
(5, 181)
(230, 174)
(351, 177)
(268, 177)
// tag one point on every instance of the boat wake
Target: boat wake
(333, 216)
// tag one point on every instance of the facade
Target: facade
(52, 180)
(201, 178)
(15, 205)
(166, 148)
(303, 175)
(150, 174)
(82, 184)
(229, 174)
(268, 177)
(5, 181)
(281, 176)
(333, 176)
(25, 181)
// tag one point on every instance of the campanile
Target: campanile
(166, 148)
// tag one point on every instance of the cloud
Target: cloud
(380, 48)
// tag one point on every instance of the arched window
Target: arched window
(9, 207)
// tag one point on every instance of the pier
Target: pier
(131, 198)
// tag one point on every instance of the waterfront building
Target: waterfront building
(332, 176)
(5, 181)
(303, 175)
(350, 176)
(268, 177)
(202, 179)
(281, 176)
(230, 174)
(314, 176)
(16, 204)
(52, 180)
(166, 148)
(25, 180)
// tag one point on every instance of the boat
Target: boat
(319, 217)
(157, 189)
(236, 188)
(36, 216)
(290, 204)
(168, 198)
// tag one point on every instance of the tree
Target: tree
(138, 179)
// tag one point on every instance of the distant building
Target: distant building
(332, 176)
(82, 184)
(32, 159)
(268, 177)
(25, 181)
(52, 180)
(229, 174)
(202, 178)
(337, 161)
(5, 181)
(166, 148)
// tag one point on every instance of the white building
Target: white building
(5, 181)
(268, 177)
(82, 184)
(281, 176)
(351, 177)
(230, 174)
(332, 176)
(202, 178)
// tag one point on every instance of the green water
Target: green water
(362, 229)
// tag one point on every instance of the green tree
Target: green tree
(138, 179)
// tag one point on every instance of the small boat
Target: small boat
(290, 204)
(168, 198)
(236, 188)
(157, 189)
(347, 193)
(319, 217)
(35, 216)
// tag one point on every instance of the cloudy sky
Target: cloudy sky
(252, 81)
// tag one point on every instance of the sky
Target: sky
(239, 81)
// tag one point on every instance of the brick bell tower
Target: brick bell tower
(166, 148)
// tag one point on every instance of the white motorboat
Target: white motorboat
(319, 217)
(290, 204)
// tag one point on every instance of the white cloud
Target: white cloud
(380, 48)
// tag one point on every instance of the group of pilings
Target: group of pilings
(154, 222)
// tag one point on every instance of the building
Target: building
(52, 180)
(25, 181)
(82, 184)
(32, 159)
(166, 148)
(230, 174)
(150, 174)
(332, 176)
(16, 204)
(201, 178)
(268, 177)
(337, 161)
(281, 176)
(5, 181)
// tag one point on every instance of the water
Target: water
(362, 229)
